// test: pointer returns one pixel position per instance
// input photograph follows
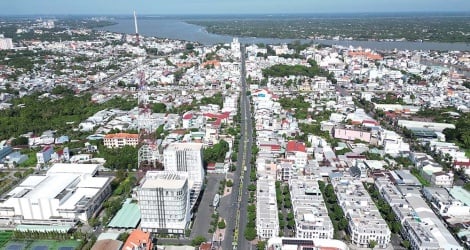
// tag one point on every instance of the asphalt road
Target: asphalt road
(205, 210)
(247, 142)
(235, 205)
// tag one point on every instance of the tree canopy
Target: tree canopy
(36, 114)
(282, 70)
(461, 133)
(216, 153)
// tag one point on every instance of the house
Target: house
(442, 179)
(45, 154)
(138, 239)
(297, 152)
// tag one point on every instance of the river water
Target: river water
(180, 30)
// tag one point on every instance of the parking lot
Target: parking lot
(202, 218)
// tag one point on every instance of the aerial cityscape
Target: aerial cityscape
(302, 125)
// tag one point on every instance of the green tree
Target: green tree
(198, 240)
(158, 108)
(372, 244)
(261, 245)
(466, 186)
(250, 233)
(406, 244)
(221, 224)
(20, 141)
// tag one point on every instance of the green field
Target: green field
(41, 245)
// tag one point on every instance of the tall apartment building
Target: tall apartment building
(365, 223)
(6, 43)
(164, 202)
(311, 215)
(187, 158)
(120, 140)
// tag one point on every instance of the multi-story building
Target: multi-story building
(311, 214)
(351, 134)
(6, 43)
(120, 140)
(286, 243)
(443, 201)
(442, 179)
(164, 202)
(68, 192)
(267, 221)
(187, 158)
(365, 223)
(297, 152)
(45, 154)
(420, 226)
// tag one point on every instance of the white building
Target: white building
(420, 226)
(442, 201)
(6, 43)
(311, 214)
(364, 219)
(120, 140)
(298, 243)
(68, 192)
(187, 158)
(442, 179)
(164, 202)
(267, 221)
(45, 154)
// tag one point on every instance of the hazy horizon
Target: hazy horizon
(227, 7)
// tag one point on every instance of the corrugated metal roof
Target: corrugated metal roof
(127, 217)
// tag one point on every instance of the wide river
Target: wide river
(180, 30)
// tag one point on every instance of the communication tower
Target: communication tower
(137, 38)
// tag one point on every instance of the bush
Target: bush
(221, 224)
(198, 240)
(250, 233)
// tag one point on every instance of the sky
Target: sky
(182, 7)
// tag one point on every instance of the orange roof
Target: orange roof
(137, 238)
(205, 246)
(215, 63)
(368, 55)
(121, 135)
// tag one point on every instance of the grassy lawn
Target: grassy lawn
(421, 179)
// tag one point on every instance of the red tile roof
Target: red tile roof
(205, 246)
(136, 238)
(295, 146)
(188, 116)
(224, 115)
